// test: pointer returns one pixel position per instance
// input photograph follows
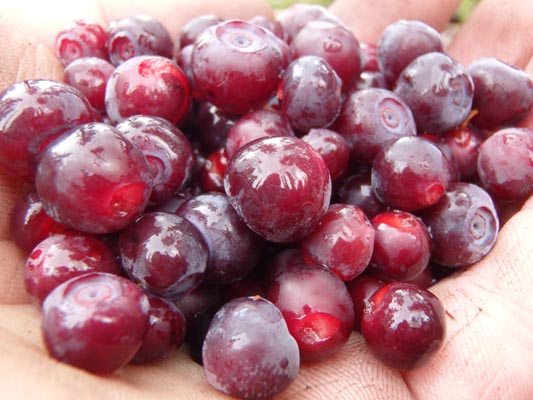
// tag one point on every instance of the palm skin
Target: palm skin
(488, 352)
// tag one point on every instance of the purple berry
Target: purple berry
(164, 253)
(63, 256)
(137, 35)
(404, 325)
(438, 90)
(194, 27)
(505, 163)
(410, 174)
(95, 321)
(167, 150)
(317, 307)
(32, 113)
(280, 186)
(30, 224)
(248, 351)
(372, 119)
(403, 41)
(234, 250)
(310, 93)
(343, 241)
(464, 225)
(90, 75)
(402, 246)
(236, 65)
(148, 85)
(334, 43)
(333, 147)
(81, 38)
(503, 94)
(254, 125)
(93, 179)
(165, 333)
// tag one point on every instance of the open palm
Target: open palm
(488, 352)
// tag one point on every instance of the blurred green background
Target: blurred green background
(462, 12)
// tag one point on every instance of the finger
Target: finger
(29, 52)
(23, 354)
(11, 189)
(12, 264)
(351, 374)
(496, 29)
(368, 18)
(489, 320)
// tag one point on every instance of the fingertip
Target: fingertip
(496, 28)
(368, 18)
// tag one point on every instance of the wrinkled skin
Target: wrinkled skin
(488, 352)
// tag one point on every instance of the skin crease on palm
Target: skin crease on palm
(488, 351)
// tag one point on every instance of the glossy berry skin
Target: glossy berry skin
(254, 125)
(163, 253)
(410, 174)
(368, 80)
(167, 150)
(279, 260)
(203, 297)
(361, 289)
(317, 308)
(234, 250)
(63, 256)
(30, 224)
(95, 322)
(211, 126)
(372, 119)
(356, 189)
(184, 61)
(272, 24)
(503, 94)
(425, 279)
(333, 147)
(197, 330)
(165, 333)
(148, 85)
(505, 163)
(194, 27)
(438, 140)
(81, 38)
(343, 241)
(369, 57)
(297, 16)
(463, 143)
(90, 75)
(279, 186)
(211, 176)
(464, 225)
(93, 179)
(32, 112)
(236, 65)
(403, 325)
(248, 351)
(334, 43)
(310, 93)
(438, 90)
(137, 35)
(403, 41)
(402, 246)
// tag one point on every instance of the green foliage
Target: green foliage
(464, 9)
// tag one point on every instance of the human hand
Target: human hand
(488, 352)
